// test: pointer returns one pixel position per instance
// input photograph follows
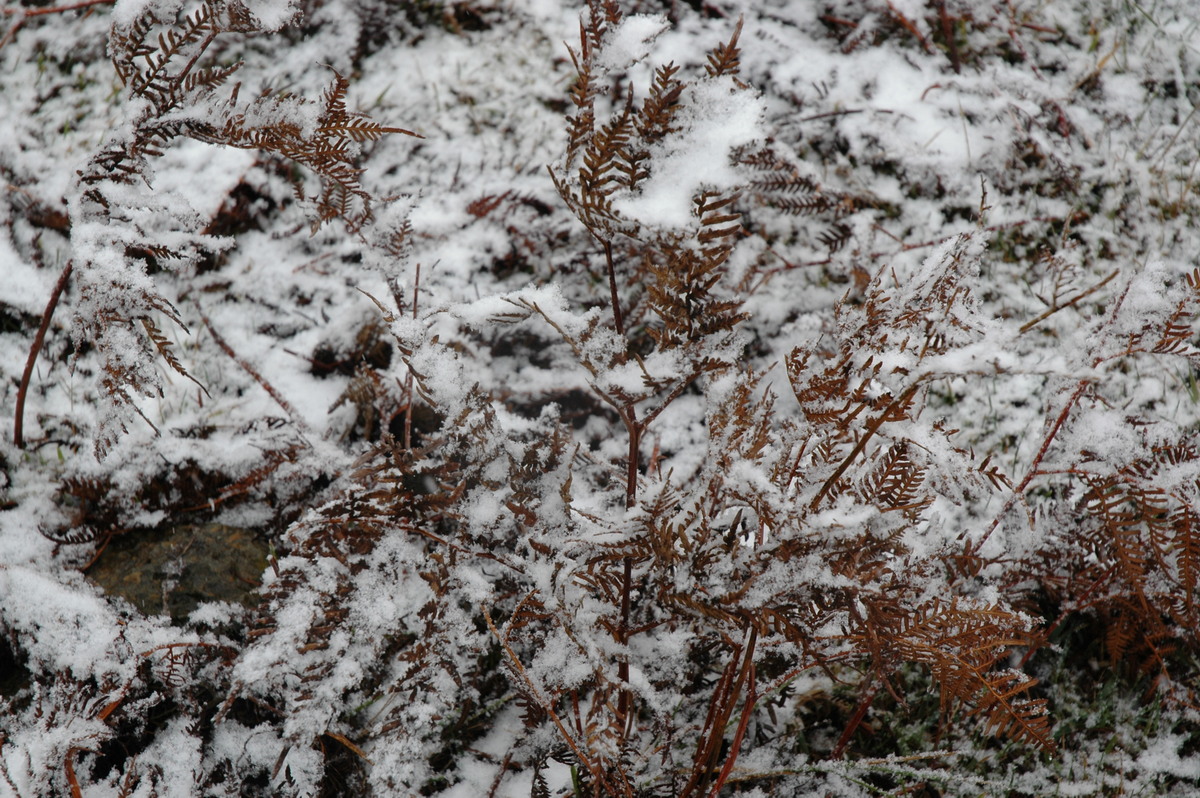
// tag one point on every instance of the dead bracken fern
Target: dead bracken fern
(628, 567)
(160, 62)
(593, 558)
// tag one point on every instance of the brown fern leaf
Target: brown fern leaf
(785, 180)
(1121, 631)
(896, 481)
(1109, 502)
(719, 227)
(595, 210)
(835, 237)
(824, 396)
(334, 100)
(1007, 711)
(1176, 336)
(362, 129)
(176, 659)
(197, 29)
(126, 44)
(208, 79)
(605, 151)
(164, 347)
(811, 205)
(662, 534)
(723, 60)
(681, 296)
(631, 167)
(961, 645)
(999, 480)
(337, 121)
(653, 121)
(272, 461)
(1185, 523)
(582, 123)
(540, 788)
(75, 535)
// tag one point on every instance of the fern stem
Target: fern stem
(860, 714)
(279, 398)
(748, 674)
(1019, 491)
(728, 689)
(612, 286)
(37, 12)
(34, 351)
(408, 382)
(625, 701)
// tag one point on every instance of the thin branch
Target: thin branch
(612, 286)
(1019, 491)
(34, 351)
(408, 381)
(748, 674)
(1029, 325)
(245, 365)
(37, 12)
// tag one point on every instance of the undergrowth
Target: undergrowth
(619, 520)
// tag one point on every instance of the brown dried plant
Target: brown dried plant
(813, 561)
(173, 93)
(641, 621)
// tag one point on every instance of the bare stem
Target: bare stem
(408, 382)
(34, 351)
(37, 12)
(245, 365)
(1019, 491)
(625, 701)
(612, 286)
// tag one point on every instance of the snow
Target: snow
(697, 157)
(1074, 118)
(630, 41)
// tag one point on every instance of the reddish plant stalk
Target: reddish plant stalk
(34, 351)
(37, 12)
(625, 701)
(618, 319)
(729, 688)
(408, 382)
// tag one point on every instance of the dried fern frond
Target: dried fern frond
(962, 645)
(164, 346)
(160, 61)
(723, 60)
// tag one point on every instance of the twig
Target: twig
(829, 114)
(408, 381)
(909, 26)
(885, 253)
(34, 351)
(1029, 325)
(748, 674)
(500, 774)
(22, 14)
(1019, 491)
(729, 688)
(860, 714)
(296, 418)
(612, 286)
(948, 34)
(578, 748)
(37, 12)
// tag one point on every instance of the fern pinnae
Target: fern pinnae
(724, 59)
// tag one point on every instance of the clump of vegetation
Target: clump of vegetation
(722, 456)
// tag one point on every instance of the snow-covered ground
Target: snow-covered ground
(903, 348)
